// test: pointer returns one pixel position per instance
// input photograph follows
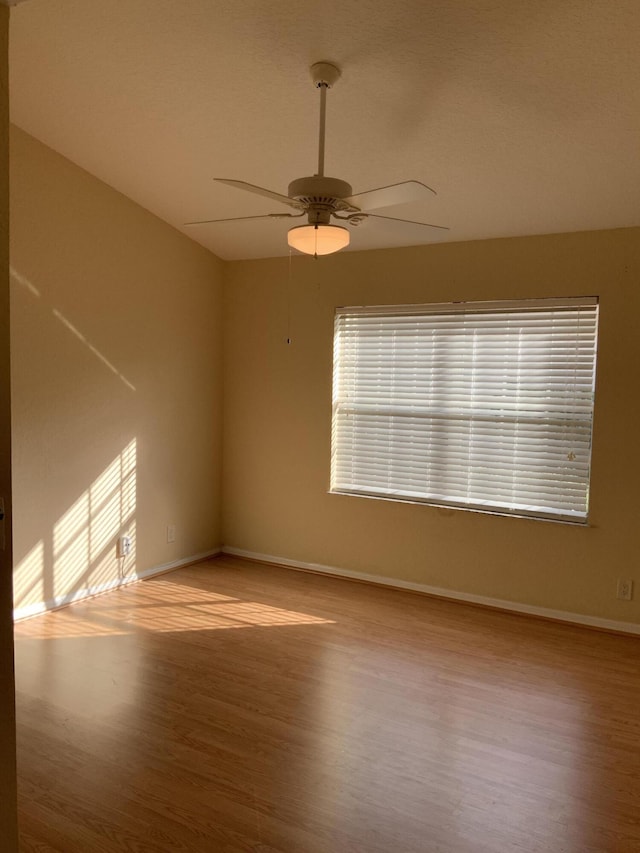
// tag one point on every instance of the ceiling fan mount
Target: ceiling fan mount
(321, 198)
(325, 74)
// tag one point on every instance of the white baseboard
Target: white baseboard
(62, 600)
(467, 597)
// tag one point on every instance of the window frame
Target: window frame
(471, 308)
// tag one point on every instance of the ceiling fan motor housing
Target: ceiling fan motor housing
(322, 196)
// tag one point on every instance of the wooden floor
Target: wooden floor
(233, 706)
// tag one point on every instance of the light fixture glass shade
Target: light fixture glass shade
(318, 239)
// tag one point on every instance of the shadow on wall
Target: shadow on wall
(83, 543)
(67, 556)
(33, 290)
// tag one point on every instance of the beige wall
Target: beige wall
(116, 347)
(117, 380)
(8, 829)
(278, 408)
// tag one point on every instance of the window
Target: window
(483, 405)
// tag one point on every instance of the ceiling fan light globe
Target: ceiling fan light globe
(318, 239)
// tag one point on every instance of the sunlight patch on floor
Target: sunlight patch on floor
(160, 607)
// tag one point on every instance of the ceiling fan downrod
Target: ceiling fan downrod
(320, 195)
(324, 75)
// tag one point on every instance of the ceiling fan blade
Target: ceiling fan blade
(408, 221)
(238, 218)
(243, 185)
(401, 193)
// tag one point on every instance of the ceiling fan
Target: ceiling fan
(322, 199)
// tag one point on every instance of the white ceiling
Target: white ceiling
(524, 116)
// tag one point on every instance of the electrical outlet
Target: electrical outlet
(123, 547)
(625, 589)
(171, 533)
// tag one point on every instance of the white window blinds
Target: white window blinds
(479, 405)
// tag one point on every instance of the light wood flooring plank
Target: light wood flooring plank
(234, 706)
